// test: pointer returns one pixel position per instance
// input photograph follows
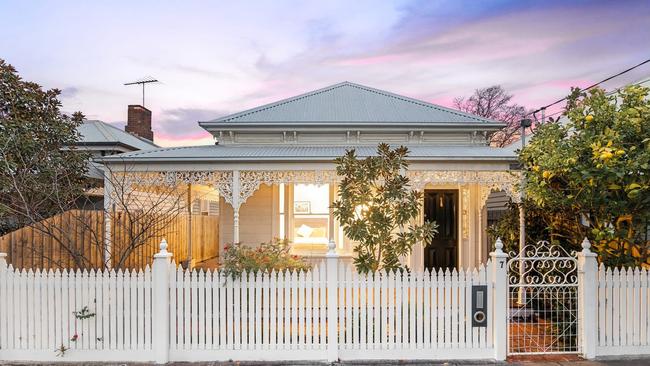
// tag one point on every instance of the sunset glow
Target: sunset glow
(216, 58)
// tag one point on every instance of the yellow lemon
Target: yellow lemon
(546, 174)
(620, 152)
(606, 155)
(589, 118)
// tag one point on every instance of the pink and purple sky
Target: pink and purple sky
(218, 57)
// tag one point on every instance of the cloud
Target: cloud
(69, 92)
(181, 123)
(536, 52)
(238, 55)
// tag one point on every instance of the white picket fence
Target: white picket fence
(411, 315)
(284, 315)
(38, 321)
(278, 315)
(331, 312)
(623, 311)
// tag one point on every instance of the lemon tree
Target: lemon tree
(595, 163)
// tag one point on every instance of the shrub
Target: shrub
(269, 256)
(378, 209)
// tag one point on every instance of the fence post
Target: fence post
(500, 286)
(332, 302)
(587, 300)
(3, 265)
(3, 295)
(160, 302)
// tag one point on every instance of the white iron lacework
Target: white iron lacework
(543, 300)
(220, 180)
(465, 211)
(250, 180)
(489, 180)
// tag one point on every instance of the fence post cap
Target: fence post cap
(163, 253)
(498, 250)
(498, 245)
(586, 248)
(586, 245)
(331, 248)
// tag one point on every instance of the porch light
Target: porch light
(526, 122)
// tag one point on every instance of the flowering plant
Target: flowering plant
(266, 257)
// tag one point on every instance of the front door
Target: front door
(441, 206)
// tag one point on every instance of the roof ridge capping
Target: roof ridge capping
(265, 107)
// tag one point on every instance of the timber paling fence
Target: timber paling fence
(166, 313)
(51, 242)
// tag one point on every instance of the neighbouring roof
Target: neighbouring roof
(98, 133)
(230, 153)
(348, 103)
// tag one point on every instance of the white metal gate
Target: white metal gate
(543, 300)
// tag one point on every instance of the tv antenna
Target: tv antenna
(143, 81)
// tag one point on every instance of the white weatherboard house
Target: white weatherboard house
(273, 169)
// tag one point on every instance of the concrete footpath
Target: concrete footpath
(527, 362)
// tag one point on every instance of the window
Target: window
(311, 214)
(205, 207)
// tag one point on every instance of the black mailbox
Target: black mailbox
(479, 306)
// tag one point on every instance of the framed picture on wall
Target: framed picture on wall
(302, 207)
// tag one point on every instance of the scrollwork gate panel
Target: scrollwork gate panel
(543, 300)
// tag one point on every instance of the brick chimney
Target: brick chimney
(139, 122)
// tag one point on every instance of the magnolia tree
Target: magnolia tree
(377, 208)
(37, 162)
(597, 165)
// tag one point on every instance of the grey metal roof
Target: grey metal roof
(95, 132)
(348, 103)
(230, 153)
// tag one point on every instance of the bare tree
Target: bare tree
(495, 103)
(138, 211)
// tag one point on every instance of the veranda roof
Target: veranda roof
(227, 153)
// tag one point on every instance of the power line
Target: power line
(593, 85)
